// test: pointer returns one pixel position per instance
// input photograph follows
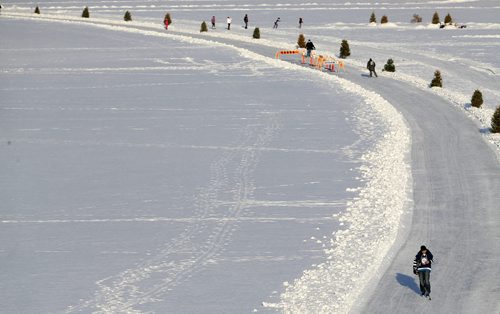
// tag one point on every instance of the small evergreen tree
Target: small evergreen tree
(384, 20)
(495, 121)
(127, 17)
(345, 51)
(256, 33)
(448, 19)
(477, 99)
(37, 10)
(86, 13)
(301, 41)
(373, 19)
(435, 18)
(389, 66)
(437, 81)
(167, 17)
(203, 27)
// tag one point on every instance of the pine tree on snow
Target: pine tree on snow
(495, 121)
(127, 17)
(437, 80)
(435, 18)
(301, 41)
(256, 33)
(203, 27)
(85, 13)
(345, 51)
(477, 99)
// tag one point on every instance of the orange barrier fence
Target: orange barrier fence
(287, 52)
(318, 61)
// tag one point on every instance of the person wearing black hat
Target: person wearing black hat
(422, 267)
(245, 20)
(309, 47)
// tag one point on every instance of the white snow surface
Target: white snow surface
(167, 174)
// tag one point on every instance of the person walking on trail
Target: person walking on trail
(213, 21)
(245, 19)
(371, 67)
(165, 21)
(300, 22)
(422, 267)
(309, 47)
(229, 20)
(276, 23)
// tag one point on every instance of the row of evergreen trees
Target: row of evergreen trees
(85, 13)
(416, 19)
(373, 19)
(436, 20)
(127, 17)
(437, 81)
(383, 20)
(476, 101)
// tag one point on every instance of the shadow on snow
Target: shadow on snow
(408, 281)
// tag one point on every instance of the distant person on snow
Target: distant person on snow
(300, 22)
(276, 22)
(213, 21)
(245, 19)
(309, 47)
(229, 20)
(371, 67)
(422, 268)
(165, 21)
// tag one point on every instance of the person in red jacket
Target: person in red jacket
(165, 21)
(213, 22)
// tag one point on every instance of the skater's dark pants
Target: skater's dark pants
(425, 285)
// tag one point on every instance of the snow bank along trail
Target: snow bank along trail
(372, 220)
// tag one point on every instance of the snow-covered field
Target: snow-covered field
(147, 170)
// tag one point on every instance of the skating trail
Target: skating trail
(456, 212)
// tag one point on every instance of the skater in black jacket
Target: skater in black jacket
(422, 267)
(309, 47)
(371, 67)
(276, 22)
(245, 20)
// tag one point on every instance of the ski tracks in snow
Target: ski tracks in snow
(226, 197)
(231, 182)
